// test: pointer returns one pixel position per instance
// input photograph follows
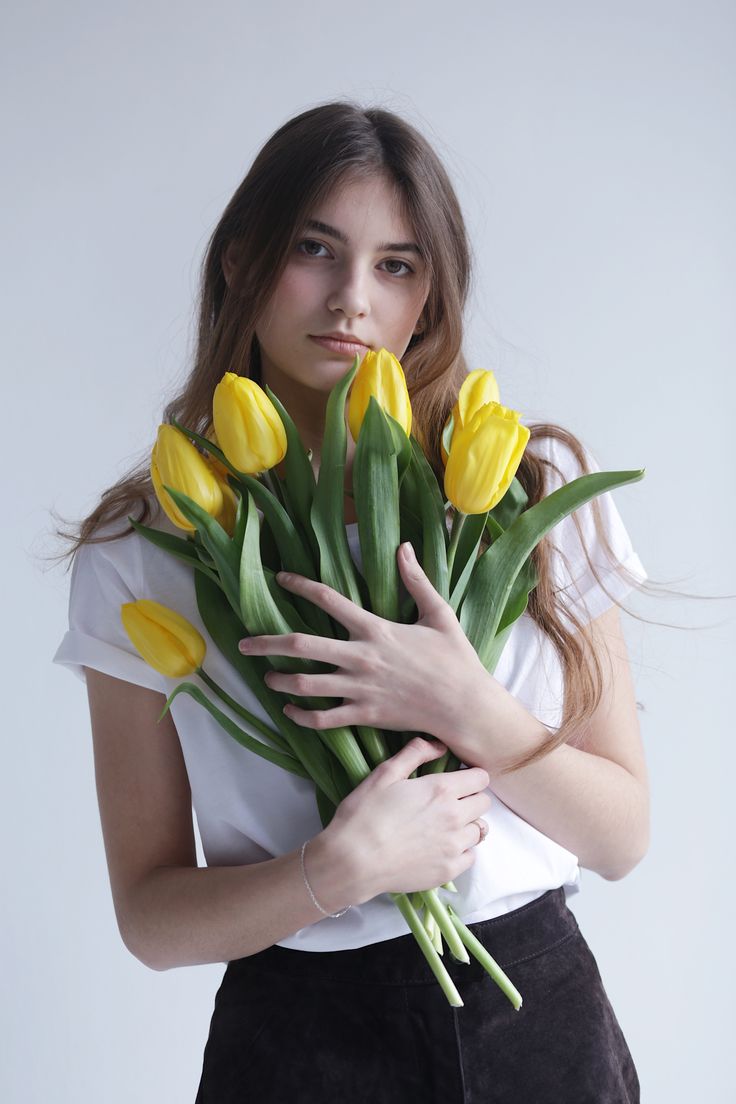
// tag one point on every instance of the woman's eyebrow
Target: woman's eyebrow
(333, 232)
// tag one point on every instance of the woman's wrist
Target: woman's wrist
(333, 872)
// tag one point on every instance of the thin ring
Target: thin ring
(483, 829)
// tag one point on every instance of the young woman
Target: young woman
(346, 235)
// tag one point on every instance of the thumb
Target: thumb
(416, 581)
(405, 762)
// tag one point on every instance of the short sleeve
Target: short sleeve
(95, 636)
(577, 587)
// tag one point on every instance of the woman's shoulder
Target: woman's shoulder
(116, 546)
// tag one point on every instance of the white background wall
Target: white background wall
(592, 149)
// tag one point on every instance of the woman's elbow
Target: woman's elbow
(628, 862)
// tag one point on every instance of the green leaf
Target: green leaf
(336, 567)
(292, 553)
(466, 553)
(513, 503)
(261, 613)
(495, 572)
(215, 540)
(183, 549)
(273, 755)
(299, 480)
(376, 490)
(434, 525)
(226, 631)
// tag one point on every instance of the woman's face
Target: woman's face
(355, 270)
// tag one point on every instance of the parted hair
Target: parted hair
(297, 167)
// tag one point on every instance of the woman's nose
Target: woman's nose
(350, 293)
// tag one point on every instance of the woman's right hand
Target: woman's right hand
(405, 834)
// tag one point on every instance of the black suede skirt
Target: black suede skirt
(373, 1025)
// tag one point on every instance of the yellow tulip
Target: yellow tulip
(176, 463)
(380, 375)
(166, 640)
(484, 456)
(479, 387)
(248, 426)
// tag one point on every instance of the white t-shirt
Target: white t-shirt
(249, 810)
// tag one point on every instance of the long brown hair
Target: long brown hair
(297, 167)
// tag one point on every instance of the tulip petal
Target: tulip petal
(166, 640)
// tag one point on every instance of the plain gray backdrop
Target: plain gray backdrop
(591, 146)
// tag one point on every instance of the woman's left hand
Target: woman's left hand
(425, 677)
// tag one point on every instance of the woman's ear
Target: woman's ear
(230, 257)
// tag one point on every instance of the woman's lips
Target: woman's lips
(347, 348)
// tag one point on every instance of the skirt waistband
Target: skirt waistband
(511, 938)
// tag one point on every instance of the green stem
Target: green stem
(457, 524)
(480, 953)
(251, 718)
(436, 964)
(438, 910)
(294, 749)
(374, 744)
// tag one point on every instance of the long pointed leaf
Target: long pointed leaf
(434, 526)
(273, 755)
(183, 549)
(494, 574)
(336, 567)
(226, 630)
(293, 555)
(215, 539)
(299, 479)
(376, 490)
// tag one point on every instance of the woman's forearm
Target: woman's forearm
(187, 916)
(588, 804)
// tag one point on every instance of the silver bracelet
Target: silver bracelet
(332, 915)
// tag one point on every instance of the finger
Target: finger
(331, 601)
(462, 783)
(299, 645)
(307, 686)
(470, 836)
(477, 805)
(428, 599)
(406, 761)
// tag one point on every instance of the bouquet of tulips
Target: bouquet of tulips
(212, 488)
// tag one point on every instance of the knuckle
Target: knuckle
(380, 631)
(433, 787)
(300, 643)
(301, 683)
(373, 715)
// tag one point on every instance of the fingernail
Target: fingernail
(408, 550)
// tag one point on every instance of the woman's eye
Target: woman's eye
(310, 242)
(308, 247)
(409, 269)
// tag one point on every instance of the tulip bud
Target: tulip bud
(479, 387)
(484, 456)
(166, 640)
(176, 463)
(381, 375)
(248, 427)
